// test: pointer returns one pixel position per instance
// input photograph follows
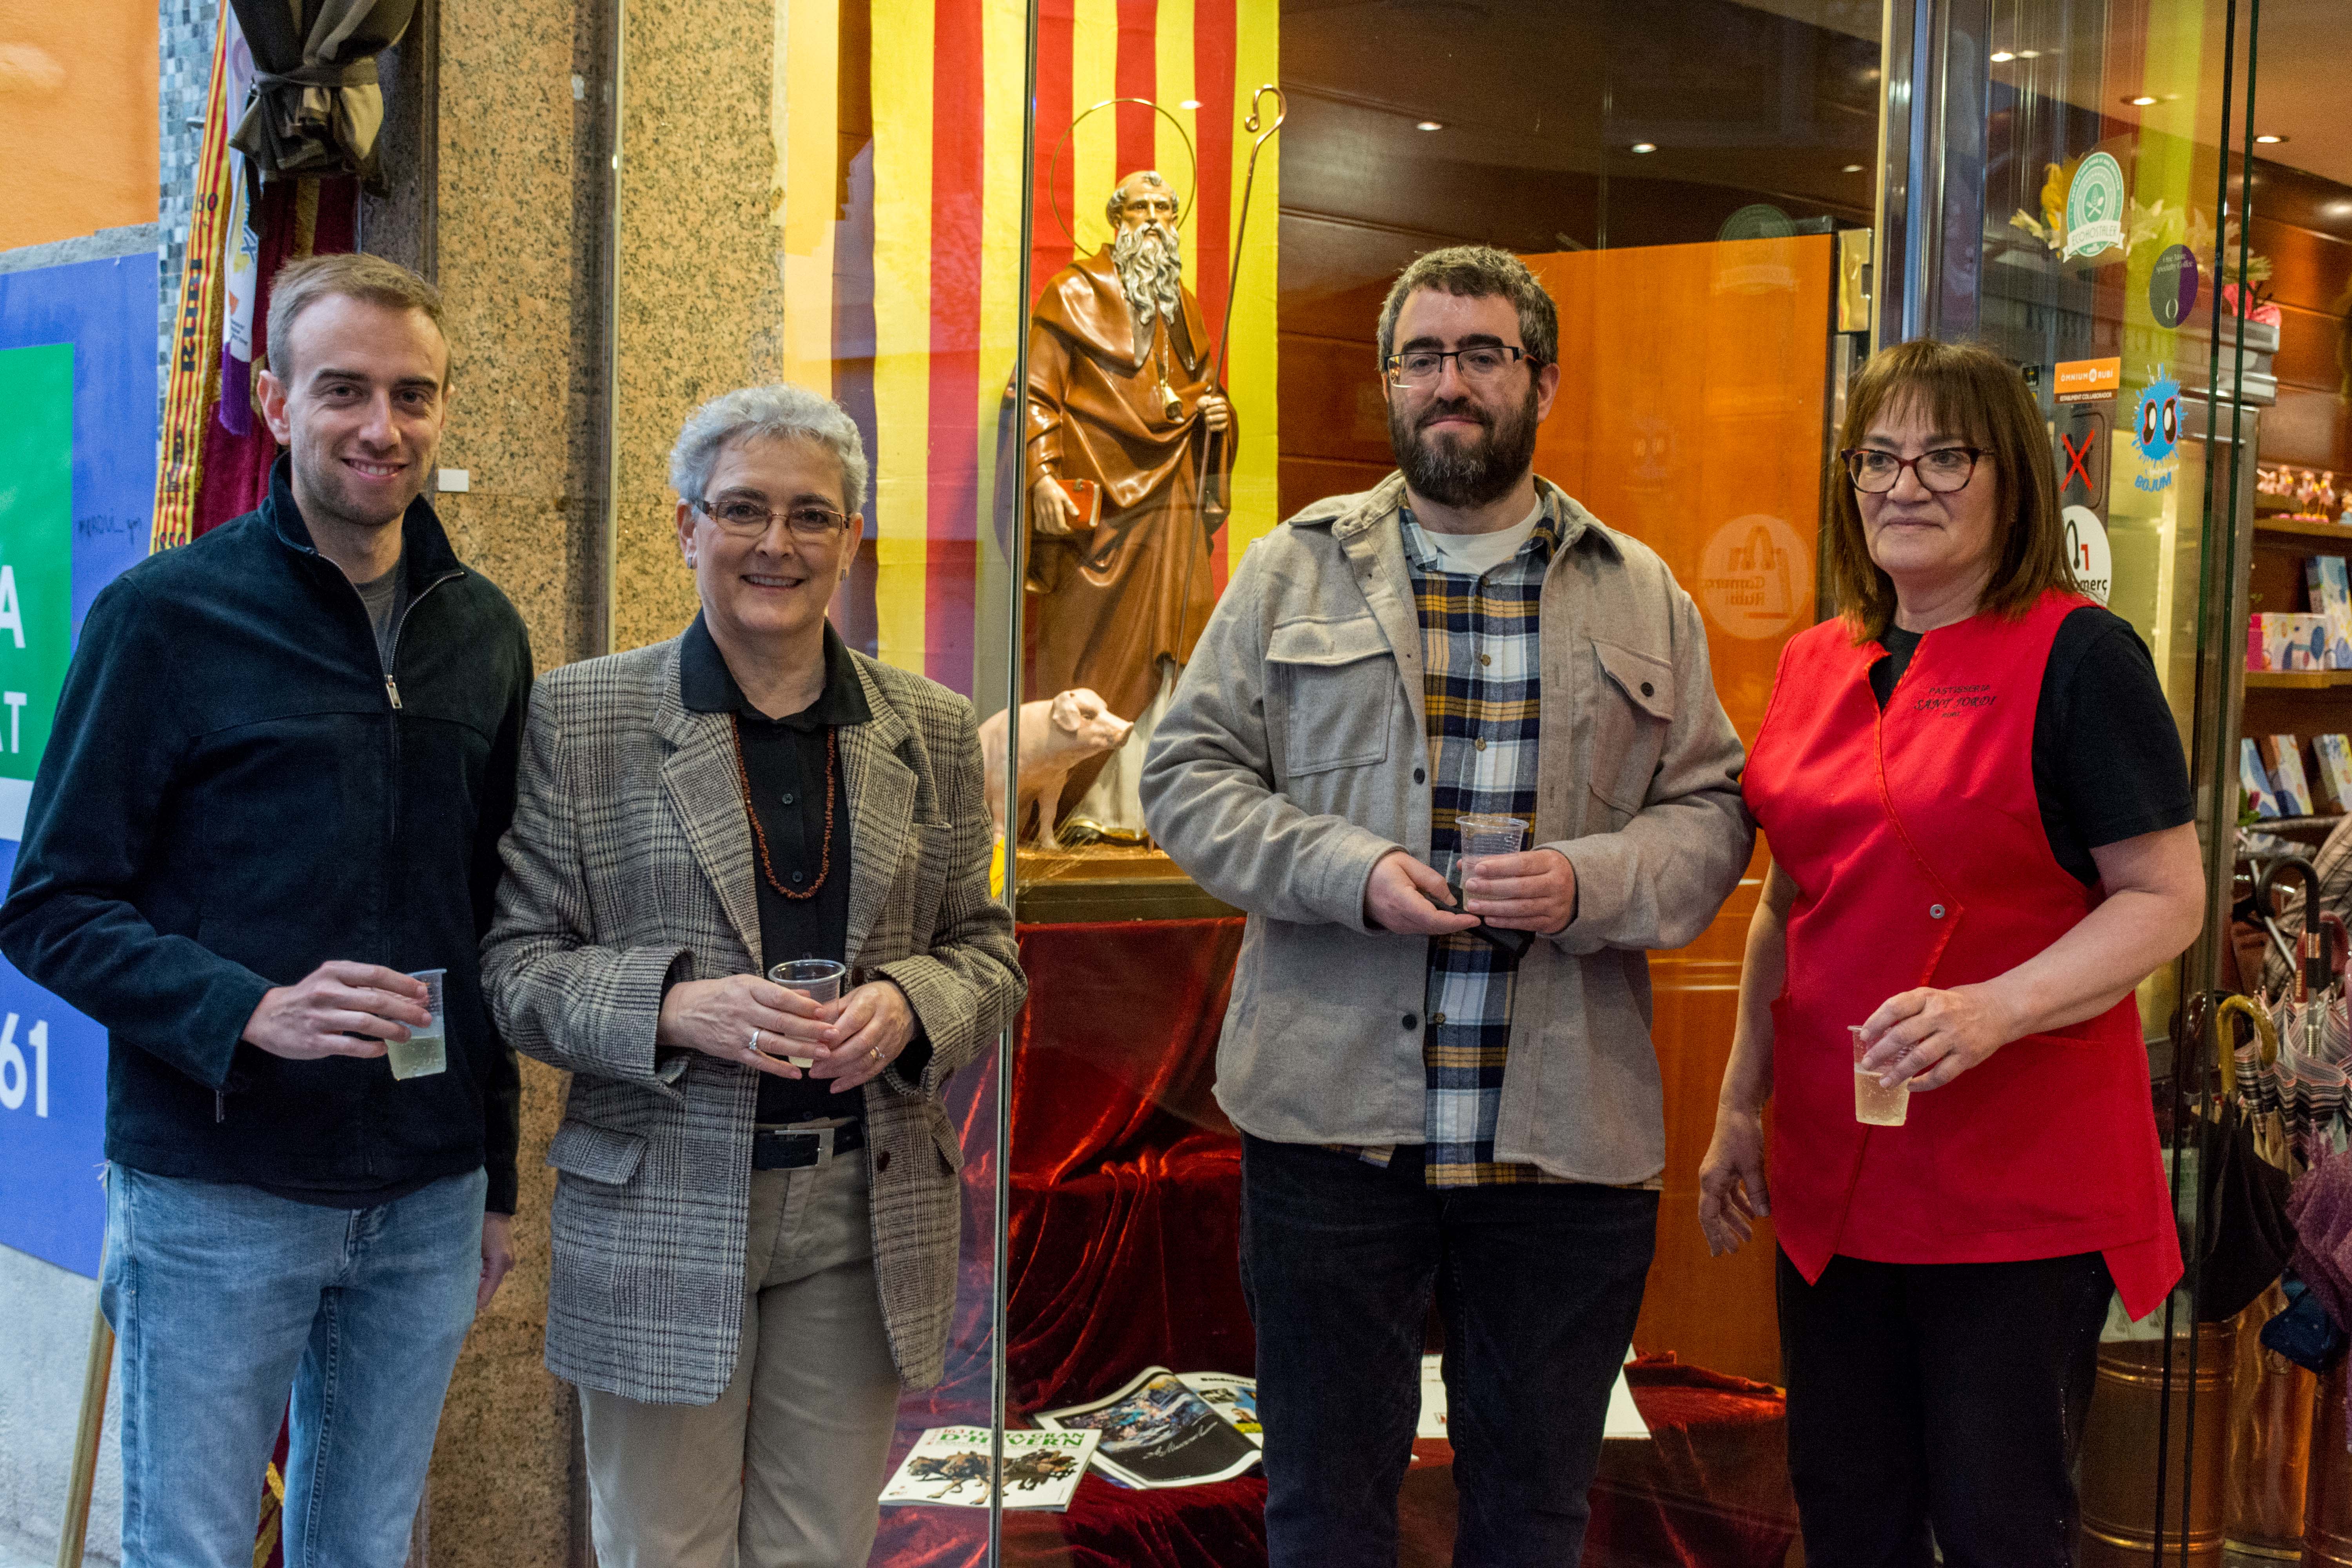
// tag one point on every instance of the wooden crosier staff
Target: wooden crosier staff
(1211, 500)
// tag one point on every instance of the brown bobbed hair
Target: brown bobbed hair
(1973, 393)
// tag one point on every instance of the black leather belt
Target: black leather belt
(797, 1149)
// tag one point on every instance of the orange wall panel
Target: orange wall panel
(78, 85)
(1693, 394)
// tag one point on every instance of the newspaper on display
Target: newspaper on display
(948, 1467)
(1162, 1430)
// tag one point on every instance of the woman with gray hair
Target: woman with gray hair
(757, 1200)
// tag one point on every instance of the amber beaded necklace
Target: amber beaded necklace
(760, 838)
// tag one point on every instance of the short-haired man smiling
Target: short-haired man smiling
(1427, 1112)
(282, 763)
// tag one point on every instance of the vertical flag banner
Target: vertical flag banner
(947, 119)
(197, 328)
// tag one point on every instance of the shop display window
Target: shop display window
(876, 198)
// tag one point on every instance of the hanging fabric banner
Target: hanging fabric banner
(195, 366)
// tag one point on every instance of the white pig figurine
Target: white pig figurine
(1056, 734)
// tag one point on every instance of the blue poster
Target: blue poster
(76, 494)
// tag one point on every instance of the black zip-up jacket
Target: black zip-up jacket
(234, 792)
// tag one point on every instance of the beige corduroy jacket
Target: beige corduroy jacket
(1295, 755)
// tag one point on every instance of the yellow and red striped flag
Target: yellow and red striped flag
(900, 268)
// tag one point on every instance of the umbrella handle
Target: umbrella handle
(2310, 974)
(2264, 1035)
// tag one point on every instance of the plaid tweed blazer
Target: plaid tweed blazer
(629, 863)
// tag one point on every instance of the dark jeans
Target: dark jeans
(1538, 1288)
(1943, 1396)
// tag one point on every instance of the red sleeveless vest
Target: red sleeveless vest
(1915, 839)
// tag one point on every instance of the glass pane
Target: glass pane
(829, 195)
(2179, 306)
(1677, 179)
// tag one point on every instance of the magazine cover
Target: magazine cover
(1234, 1398)
(1158, 1433)
(949, 1465)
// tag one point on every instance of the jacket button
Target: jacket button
(1435, 1019)
(1419, 776)
(881, 1160)
(796, 877)
(788, 797)
(1647, 690)
(1479, 745)
(1411, 1022)
(1935, 912)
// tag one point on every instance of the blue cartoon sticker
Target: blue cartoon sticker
(2156, 430)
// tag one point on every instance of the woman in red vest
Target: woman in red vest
(1979, 821)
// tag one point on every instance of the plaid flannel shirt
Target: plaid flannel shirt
(1481, 656)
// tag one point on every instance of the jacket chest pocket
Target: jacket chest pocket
(1633, 709)
(1329, 694)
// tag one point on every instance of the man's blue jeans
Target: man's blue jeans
(225, 1297)
(1538, 1287)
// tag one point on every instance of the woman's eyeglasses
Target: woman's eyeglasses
(751, 518)
(1942, 470)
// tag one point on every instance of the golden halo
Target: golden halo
(1053, 165)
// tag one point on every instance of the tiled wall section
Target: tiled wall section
(185, 30)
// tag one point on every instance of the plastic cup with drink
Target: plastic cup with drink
(1485, 832)
(1875, 1104)
(818, 979)
(426, 1049)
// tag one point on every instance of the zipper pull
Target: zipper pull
(220, 1107)
(393, 687)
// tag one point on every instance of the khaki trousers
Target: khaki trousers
(786, 1468)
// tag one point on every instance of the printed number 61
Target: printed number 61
(13, 1075)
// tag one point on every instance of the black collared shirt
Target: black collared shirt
(784, 761)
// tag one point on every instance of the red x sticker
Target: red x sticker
(2078, 458)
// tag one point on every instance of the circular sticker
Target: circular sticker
(2094, 208)
(2087, 553)
(1756, 577)
(2172, 285)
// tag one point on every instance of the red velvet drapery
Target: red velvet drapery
(1123, 1242)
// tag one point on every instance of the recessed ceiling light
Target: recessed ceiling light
(1431, 125)
(1190, 103)
(2002, 56)
(2270, 141)
(1645, 147)
(2141, 101)
(1853, 169)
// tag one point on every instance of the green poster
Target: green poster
(35, 548)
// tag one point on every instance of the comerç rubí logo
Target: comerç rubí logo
(2156, 429)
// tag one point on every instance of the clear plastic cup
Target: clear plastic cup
(1875, 1104)
(818, 979)
(1487, 833)
(427, 1050)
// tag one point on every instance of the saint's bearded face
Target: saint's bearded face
(1150, 260)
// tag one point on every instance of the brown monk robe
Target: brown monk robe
(1114, 600)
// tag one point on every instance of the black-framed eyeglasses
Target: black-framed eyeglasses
(750, 519)
(1419, 367)
(1943, 469)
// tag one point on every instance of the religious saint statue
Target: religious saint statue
(1128, 459)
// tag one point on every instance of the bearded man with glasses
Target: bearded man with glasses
(1448, 1095)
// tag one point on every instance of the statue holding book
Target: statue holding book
(1128, 457)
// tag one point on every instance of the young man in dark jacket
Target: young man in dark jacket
(282, 763)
